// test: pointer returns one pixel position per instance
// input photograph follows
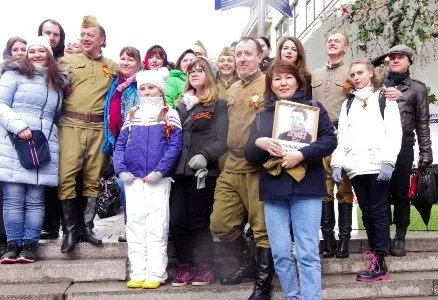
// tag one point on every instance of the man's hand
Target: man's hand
(292, 159)
(392, 94)
(272, 146)
(423, 163)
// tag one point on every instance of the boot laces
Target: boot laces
(374, 264)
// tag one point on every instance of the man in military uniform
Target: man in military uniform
(237, 190)
(327, 89)
(81, 132)
(413, 102)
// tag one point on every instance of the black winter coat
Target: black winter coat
(205, 130)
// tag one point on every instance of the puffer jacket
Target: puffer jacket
(22, 101)
(414, 110)
(142, 146)
(365, 139)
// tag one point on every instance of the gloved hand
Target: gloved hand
(385, 172)
(153, 177)
(198, 162)
(126, 177)
(423, 163)
(337, 174)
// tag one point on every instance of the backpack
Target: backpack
(382, 104)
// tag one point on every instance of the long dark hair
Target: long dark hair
(58, 51)
(180, 58)
(301, 62)
(279, 66)
(7, 52)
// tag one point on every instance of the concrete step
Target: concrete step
(413, 261)
(334, 287)
(37, 291)
(65, 271)
(407, 284)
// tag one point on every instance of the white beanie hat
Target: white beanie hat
(155, 77)
(40, 41)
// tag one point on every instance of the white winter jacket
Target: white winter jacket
(365, 139)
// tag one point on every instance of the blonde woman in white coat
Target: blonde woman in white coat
(369, 141)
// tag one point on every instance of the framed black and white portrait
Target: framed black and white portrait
(295, 124)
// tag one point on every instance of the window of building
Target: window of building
(282, 28)
(310, 12)
(319, 7)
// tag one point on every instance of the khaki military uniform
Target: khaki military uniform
(237, 189)
(81, 124)
(327, 89)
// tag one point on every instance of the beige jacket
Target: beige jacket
(327, 88)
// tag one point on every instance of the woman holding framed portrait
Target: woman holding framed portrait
(292, 196)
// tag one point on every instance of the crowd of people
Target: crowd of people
(194, 155)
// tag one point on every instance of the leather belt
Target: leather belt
(83, 116)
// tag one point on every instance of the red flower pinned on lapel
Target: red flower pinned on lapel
(254, 101)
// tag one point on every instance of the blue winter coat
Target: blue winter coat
(22, 101)
(313, 184)
(142, 146)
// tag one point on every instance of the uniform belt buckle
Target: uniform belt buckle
(87, 118)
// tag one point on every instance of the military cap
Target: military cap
(200, 44)
(226, 51)
(89, 21)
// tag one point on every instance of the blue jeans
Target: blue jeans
(23, 211)
(304, 215)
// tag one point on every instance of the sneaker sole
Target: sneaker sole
(8, 261)
(380, 278)
(24, 260)
(201, 283)
(180, 284)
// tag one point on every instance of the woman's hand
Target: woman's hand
(25, 134)
(292, 159)
(272, 146)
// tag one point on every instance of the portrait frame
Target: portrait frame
(295, 124)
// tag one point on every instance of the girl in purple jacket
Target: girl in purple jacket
(148, 146)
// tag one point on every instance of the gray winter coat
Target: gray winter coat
(22, 101)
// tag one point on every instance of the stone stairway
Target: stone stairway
(100, 273)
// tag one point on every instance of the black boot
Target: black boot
(398, 244)
(377, 270)
(265, 272)
(89, 214)
(28, 255)
(327, 226)
(71, 218)
(345, 210)
(2, 244)
(240, 249)
(52, 214)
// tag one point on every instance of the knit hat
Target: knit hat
(40, 41)
(155, 77)
(89, 21)
(211, 65)
(226, 51)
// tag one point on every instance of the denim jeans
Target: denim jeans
(23, 211)
(304, 215)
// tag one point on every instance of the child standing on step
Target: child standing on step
(369, 141)
(148, 146)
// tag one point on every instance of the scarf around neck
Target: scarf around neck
(395, 79)
(363, 93)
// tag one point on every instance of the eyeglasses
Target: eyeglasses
(195, 71)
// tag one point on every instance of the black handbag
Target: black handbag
(34, 152)
(427, 185)
(108, 201)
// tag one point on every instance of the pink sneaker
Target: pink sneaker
(205, 275)
(186, 274)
